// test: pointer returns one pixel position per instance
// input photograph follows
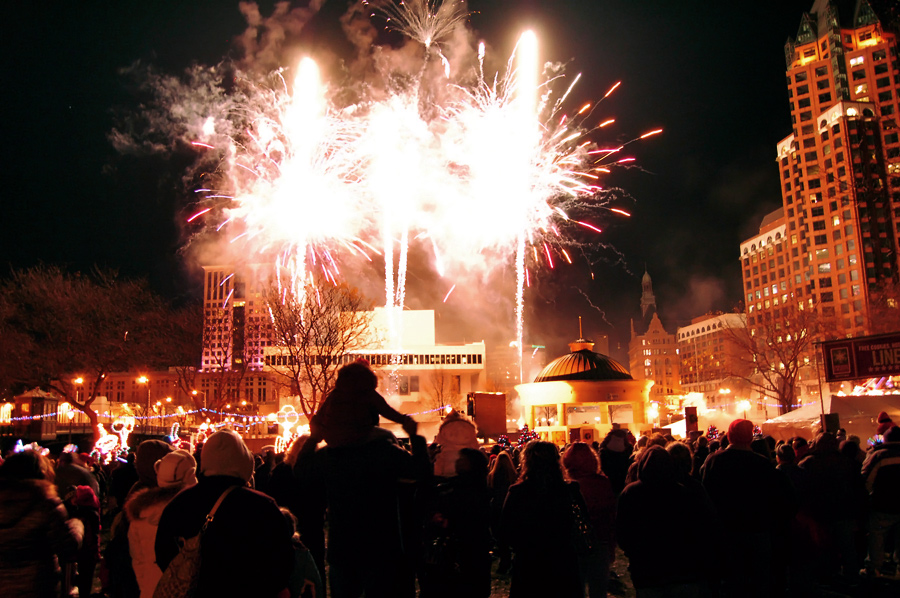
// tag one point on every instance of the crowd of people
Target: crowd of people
(735, 516)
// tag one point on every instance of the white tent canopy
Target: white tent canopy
(858, 416)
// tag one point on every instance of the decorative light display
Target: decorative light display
(526, 435)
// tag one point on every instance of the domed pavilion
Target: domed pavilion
(580, 395)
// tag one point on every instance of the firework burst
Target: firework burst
(499, 170)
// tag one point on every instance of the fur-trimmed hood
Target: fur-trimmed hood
(141, 501)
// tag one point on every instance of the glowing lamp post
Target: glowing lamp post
(653, 413)
(146, 381)
(194, 392)
(78, 397)
(744, 406)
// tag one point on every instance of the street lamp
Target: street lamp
(145, 380)
(78, 390)
(744, 406)
(653, 413)
(194, 392)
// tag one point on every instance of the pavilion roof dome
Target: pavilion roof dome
(583, 364)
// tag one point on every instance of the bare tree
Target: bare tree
(59, 327)
(770, 353)
(226, 369)
(443, 388)
(315, 334)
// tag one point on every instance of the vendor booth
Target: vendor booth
(857, 415)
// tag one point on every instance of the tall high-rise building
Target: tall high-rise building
(236, 325)
(765, 260)
(840, 173)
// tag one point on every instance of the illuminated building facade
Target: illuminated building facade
(653, 352)
(766, 269)
(709, 357)
(236, 326)
(238, 339)
(840, 173)
(579, 396)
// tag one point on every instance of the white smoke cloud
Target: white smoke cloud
(213, 111)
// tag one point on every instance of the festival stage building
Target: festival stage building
(581, 395)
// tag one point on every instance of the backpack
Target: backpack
(180, 578)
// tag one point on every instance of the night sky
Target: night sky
(711, 74)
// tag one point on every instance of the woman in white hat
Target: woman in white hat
(174, 472)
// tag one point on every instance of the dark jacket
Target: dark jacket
(348, 415)
(828, 488)
(600, 501)
(537, 523)
(458, 541)
(362, 488)
(748, 493)
(247, 549)
(881, 471)
(654, 562)
(33, 530)
(307, 502)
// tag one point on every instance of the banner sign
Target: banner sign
(862, 357)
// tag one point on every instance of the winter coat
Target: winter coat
(348, 416)
(828, 486)
(601, 502)
(246, 550)
(362, 486)
(458, 541)
(881, 471)
(144, 510)
(749, 495)
(33, 533)
(307, 502)
(537, 522)
(652, 561)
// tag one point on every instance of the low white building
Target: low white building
(417, 376)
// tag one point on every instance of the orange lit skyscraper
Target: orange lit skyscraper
(840, 171)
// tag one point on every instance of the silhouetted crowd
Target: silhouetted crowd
(731, 517)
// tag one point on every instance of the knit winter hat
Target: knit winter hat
(148, 453)
(176, 469)
(740, 432)
(225, 453)
(883, 417)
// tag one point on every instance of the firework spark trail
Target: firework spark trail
(492, 171)
(526, 106)
(428, 22)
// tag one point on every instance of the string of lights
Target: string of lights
(201, 412)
